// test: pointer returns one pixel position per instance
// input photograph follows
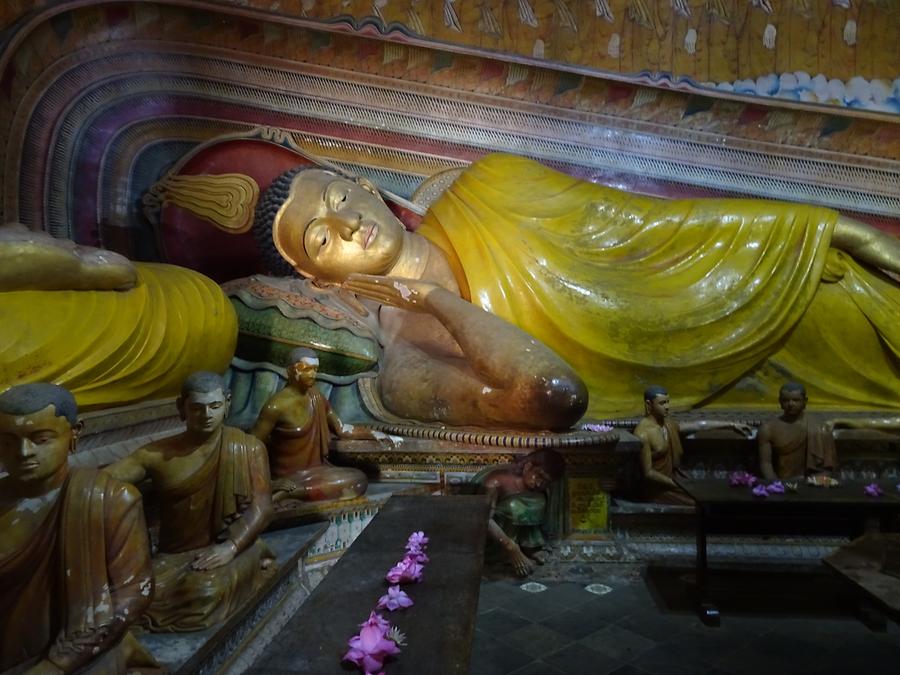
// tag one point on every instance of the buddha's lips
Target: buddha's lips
(369, 237)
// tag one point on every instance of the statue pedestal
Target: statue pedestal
(593, 470)
(237, 642)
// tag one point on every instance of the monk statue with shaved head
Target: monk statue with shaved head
(296, 424)
(74, 552)
(212, 485)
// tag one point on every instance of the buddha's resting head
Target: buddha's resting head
(38, 427)
(792, 398)
(328, 227)
(203, 403)
(656, 401)
(540, 468)
(304, 364)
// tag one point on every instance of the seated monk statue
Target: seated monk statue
(661, 450)
(519, 506)
(793, 445)
(295, 423)
(112, 332)
(74, 552)
(212, 484)
(524, 289)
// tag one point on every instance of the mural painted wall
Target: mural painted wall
(809, 52)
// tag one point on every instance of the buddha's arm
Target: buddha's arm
(882, 423)
(129, 575)
(707, 425)
(503, 376)
(765, 453)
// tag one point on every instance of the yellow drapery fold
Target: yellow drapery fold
(116, 347)
(706, 297)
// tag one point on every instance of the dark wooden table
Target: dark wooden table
(722, 508)
(439, 627)
(860, 562)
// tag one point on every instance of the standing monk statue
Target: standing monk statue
(74, 553)
(661, 450)
(212, 483)
(792, 444)
(296, 424)
(524, 289)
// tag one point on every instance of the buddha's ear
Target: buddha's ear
(179, 403)
(368, 185)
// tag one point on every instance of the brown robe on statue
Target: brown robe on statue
(204, 509)
(88, 568)
(665, 462)
(299, 456)
(810, 451)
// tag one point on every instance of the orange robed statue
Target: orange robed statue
(74, 552)
(296, 423)
(214, 497)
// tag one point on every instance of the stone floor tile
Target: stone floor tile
(499, 622)
(497, 659)
(577, 623)
(657, 625)
(494, 594)
(576, 659)
(537, 668)
(539, 606)
(617, 642)
(628, 669)
(673, 659)
(536, 640)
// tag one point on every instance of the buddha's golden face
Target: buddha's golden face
(331, 227)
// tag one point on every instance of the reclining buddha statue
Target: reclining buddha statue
(525, 289)
(111, 331)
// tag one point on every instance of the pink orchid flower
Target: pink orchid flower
(405, 571)
(760, 491)
(394, 599)
(378, 621)
(873, 490)
(776, 488)
(736, 478)
(416, 554)
(417, 539)
(370, 648)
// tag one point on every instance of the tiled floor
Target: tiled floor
(773, 622)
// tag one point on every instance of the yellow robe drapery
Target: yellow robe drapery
(116, 347)
(721, 300)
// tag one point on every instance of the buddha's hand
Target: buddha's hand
(392, 291)
(215, 556)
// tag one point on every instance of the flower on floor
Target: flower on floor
(369, 649)
(760, 491)
(405, 571)
(873, 490)
(737, 478)
(394, 599)
(776, 488)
